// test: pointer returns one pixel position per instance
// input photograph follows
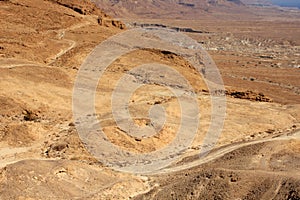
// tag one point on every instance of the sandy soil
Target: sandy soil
(42, 156)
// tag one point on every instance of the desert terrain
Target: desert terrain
(256, 47)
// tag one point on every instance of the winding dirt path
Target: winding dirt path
(60, 36)
(72, 43)
(222, 151)
(13, 155)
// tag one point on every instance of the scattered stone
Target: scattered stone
(59, 146)
(29, 115)
(252, 96)
(270, 131)
(234, 179)
(266, 57)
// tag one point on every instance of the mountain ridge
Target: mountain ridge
(170, 8)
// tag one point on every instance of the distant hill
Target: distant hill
(171, 8)
(260, 3)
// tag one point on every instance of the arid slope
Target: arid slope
(44, 43)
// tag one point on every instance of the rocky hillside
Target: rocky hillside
(48, 23)
(42, 46)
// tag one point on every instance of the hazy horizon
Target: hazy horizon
(292, 3)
